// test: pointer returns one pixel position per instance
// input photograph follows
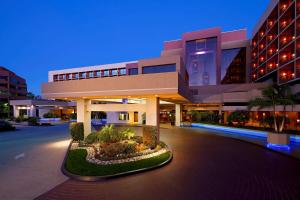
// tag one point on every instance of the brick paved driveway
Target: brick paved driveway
(205, 166)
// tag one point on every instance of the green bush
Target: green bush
(73, 116)
(114, 149)
(127, 133)
(50, 115)
(138, 139)
(20, 119)
(91, 138)
(130, 148)
(77, 131)
(32, 121)
(109, 134)
(241, 117)
(150, 136)
(205, 117)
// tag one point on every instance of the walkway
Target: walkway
(205, 166)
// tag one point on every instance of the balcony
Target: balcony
(286, 73)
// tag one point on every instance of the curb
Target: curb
(100, 178)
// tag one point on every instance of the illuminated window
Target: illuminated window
(123, 116)
(98, 74)
(106, 73)
(114, 72)
(91, 74)
(123, 71)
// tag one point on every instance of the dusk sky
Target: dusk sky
(38, 36)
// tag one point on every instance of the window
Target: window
(123, 71)
(233, 68)
(75, 76)
(159, 69)
(69, 76)
(133, 71)
(4, 78)
(123, 116)
(83, 75)
(98, 74)
(55, 78)
(91, 74)
(201, 61)
(106, 73)
(114, 72)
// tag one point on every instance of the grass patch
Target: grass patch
(77, 164)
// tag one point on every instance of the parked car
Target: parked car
(6, 126)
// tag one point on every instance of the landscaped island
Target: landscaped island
(114, 151)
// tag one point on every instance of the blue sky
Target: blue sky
(38, 36)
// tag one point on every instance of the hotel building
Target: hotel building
(205, 70)
(12, 86)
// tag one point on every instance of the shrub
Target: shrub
(109, 134)
(77, 131)
(91, 138)
(130, 148)
(20, 119)
(150, 136)
(50, 115)
(241, 117)
(32, 121)
(73, 116)
(127, 133)
(114, 149)
(137, 139)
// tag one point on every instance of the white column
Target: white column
(152, 111)
(32, 112)
(131, 117)
(178, 115)
(140, 117)
(83, 115)
(16, 112)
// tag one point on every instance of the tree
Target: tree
(273, 96)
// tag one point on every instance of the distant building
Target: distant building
(12, 86)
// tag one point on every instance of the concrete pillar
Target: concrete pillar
(131, 117)
(32, 111)
(178, 115)
(83, 115)
(16, 112)
(152, 111)
(140, 117)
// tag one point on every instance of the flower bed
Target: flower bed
(121, 158)
(113, 151)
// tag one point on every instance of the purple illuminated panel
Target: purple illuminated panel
(201, 61)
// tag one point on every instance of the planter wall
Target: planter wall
(280, 139)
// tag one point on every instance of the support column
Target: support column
(178, 115)
(152, 111)
(32, 112)
(131, 117)
(140, 118)
(84, 116)
(16, 112)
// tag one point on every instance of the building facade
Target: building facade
(12, 86)
(205, 70)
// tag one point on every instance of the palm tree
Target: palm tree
(273, 96)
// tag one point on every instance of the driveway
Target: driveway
(30, 160)
(205, 166)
